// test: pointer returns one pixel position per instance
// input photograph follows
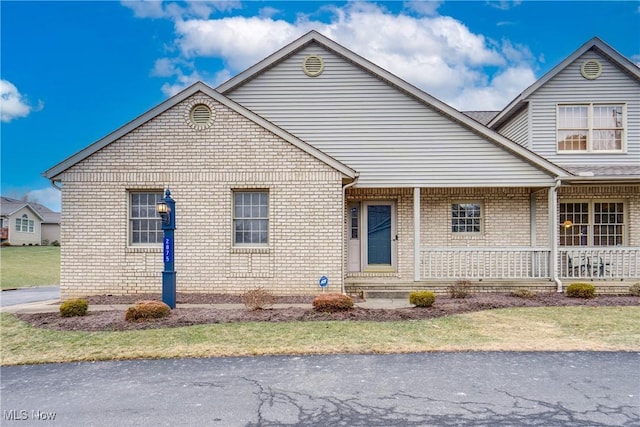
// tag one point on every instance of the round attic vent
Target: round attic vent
(313, 65)
(591, 69)
(199, 114)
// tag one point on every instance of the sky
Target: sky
(73, 72)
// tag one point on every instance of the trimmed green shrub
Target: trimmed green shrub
(147, 310)
(258, 299)
(332, 302)
(581, 290)
(523, 293)
(422, 298)
(635, 290)
(74, 307)
(460, 289)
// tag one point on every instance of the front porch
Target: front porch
(514, 242)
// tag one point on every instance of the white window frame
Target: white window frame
(24, 224)
(480, 218)
(589, 129)
(241, 216)
(590, 225)
(157, 232)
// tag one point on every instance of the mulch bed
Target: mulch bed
(444, 306)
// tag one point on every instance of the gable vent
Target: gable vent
(313, 65)
(200, 114)
(591, 69)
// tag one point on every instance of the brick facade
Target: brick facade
(202, 168)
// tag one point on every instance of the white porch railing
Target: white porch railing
(484, 263)
(602, 262)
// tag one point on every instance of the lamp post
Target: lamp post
(166, 210)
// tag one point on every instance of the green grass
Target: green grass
(520, 329)
(24, 266)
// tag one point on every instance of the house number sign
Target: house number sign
(168, 249)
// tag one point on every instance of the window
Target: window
(590, 127)
(592, 224)
(250, 218)
(354, 217)
(466, 218)
(145, 223)
(24, 224)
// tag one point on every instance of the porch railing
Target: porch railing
(484, 263)
(602, 262)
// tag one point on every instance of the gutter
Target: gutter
(553, 200)
(53, 184)
(343, 261)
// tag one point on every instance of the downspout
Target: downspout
(343, 261)
(553, 217)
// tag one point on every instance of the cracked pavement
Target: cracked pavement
(428, 389)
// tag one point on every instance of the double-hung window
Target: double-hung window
(589, 223)
(250, 218)
(24, 224)
(144, 222)
(466, 218)
(591, 128)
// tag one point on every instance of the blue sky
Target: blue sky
(72, 72)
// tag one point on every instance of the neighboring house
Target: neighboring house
(317, 162)
(27, 223)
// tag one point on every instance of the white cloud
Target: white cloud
(501, 89)
(504, 4)
(423, 7)
(438, 54)
(48, 196)
(14, 105)
(188, 9)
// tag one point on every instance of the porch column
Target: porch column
(553, 234)
(416, 234)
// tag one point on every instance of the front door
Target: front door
(379, 251)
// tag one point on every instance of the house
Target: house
(27, 223)
(316, 162)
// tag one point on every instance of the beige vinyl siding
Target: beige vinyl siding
(389, 137)
(568, 86)
(517, 129)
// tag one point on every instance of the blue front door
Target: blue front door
(379, 234)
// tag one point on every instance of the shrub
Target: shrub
(146, 310)
(581, 290)
(332, 302)
(523, 293)
(45, 242)
(422, 298)
(74, 307)
(460, 289)
(635, 289)
(258, 299)
(55, 243)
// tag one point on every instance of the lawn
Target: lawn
(512, 329)
(24, 266)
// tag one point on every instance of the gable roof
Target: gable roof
(394, 81)
(597, 45)
(56, 170)
(9, 206)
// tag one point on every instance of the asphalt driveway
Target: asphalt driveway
(432, 389)
(28, 295)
